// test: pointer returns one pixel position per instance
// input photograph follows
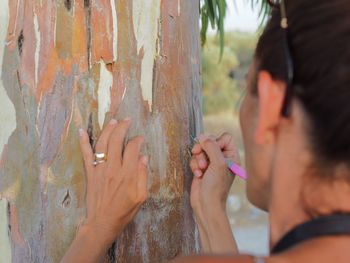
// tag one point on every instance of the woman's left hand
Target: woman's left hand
(116, 189)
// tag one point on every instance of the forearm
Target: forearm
(215, 232)
(89, 246)
(220, 236)
(203, 236)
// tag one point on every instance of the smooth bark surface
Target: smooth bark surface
(67, 64)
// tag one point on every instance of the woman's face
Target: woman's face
(257, 157)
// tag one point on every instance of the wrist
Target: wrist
(89, 245)
(209, 211)
(215, 216)
(96, 234)
(214, 207)
(210, 218)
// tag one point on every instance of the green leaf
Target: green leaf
(214, 11)
(221, 28)
(204, 28)
(208, 5)
(212, 8)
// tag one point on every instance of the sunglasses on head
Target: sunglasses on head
(286, 107)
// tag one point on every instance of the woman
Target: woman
(295, 121)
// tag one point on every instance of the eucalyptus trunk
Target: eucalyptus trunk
(68, 64)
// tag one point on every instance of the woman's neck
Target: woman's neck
(284, 220)
(312, 198)
(299, 191)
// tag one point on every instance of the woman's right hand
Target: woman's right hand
(212, 179)
(117, 188)
(210, 188)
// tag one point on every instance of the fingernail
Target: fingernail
(144, 160)
(202, 163)
(198, 173)
(81, 132)
(113, 122)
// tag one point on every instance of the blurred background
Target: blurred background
(223, 89)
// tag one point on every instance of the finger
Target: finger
(102, 143)
(194, 164)
(202, 160)
(143, 178)
(227, 144)
(86, 151)
(132, 152)
(212, 150)
(116, 142)
(195, 168)
(197, 149)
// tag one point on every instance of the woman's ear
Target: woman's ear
(270, 95)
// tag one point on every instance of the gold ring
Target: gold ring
(100, 158)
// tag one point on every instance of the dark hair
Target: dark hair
(319, 40)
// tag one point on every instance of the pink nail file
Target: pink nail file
(236, 169)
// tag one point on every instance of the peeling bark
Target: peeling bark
(71, 64)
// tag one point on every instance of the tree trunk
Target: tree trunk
(68, 64)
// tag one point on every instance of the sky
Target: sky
(240, 16)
